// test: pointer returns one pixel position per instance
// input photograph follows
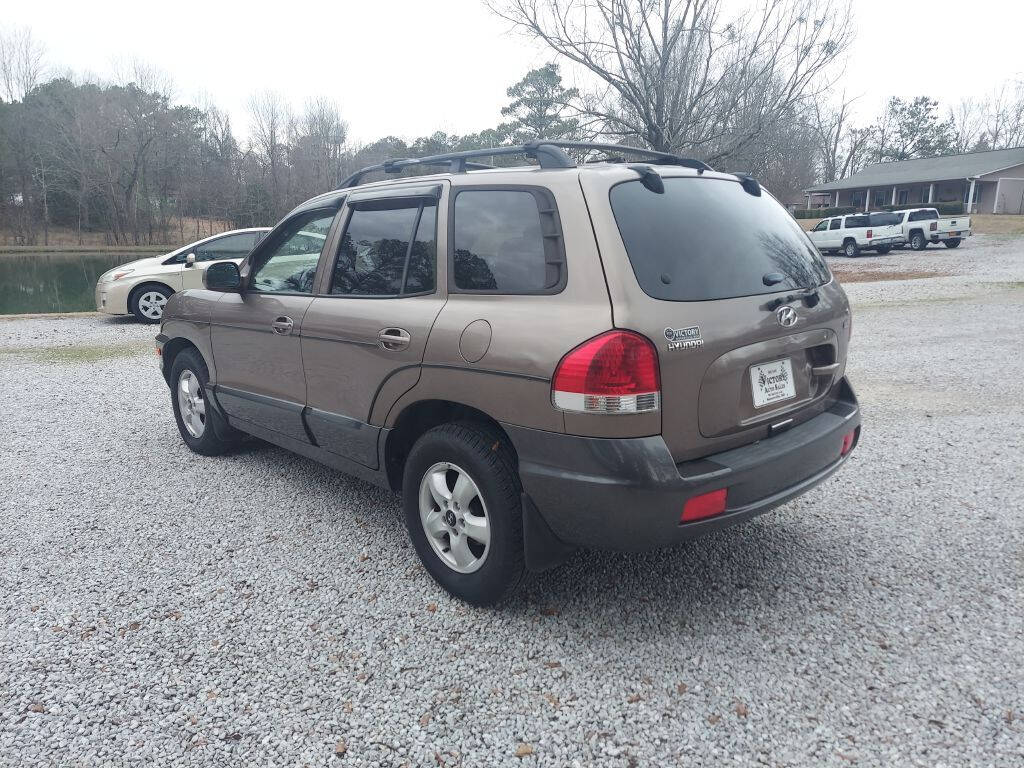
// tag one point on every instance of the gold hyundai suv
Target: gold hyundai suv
(597, 354)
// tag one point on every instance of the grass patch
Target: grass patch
(876, 275)
(83, 353)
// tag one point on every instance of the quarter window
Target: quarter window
(288, 265)
(388, 249)
(506, 241)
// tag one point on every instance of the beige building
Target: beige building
(992, 182)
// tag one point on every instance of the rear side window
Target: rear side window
(708, 239)
(836, 224)
(855, 221)
(387, 250)
(883, 219)
(506, 241)
(230, 247)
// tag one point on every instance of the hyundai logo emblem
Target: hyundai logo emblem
(786, 316)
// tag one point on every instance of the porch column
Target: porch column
(837, 200)
(867, 200)
(808, 200)
(893, 196)
(931, 192)
(970, 197)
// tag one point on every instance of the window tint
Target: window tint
(230, 247)
(707, 238)
(836, 224)
(288, 264)
(821, 226)
(855, 221)
(388, 249)
(499, 243)
(883, 219)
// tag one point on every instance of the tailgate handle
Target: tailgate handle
(824, 370)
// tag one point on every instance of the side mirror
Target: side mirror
(222, 276)
(190, 260)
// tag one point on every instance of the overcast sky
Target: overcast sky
(409, 67)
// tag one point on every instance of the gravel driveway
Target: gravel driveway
(163, 608)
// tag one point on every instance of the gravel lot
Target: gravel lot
(159, 607)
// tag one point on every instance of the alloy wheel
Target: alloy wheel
(191, 404)
(454, 517)
(151, 304)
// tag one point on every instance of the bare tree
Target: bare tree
(678, 77)
(840, 146)
(21, 63)
(269, 115)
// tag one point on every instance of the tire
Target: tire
(953, 242)
(851, 249)
(884, 249)
(453, 552)
(201, 426)
(147, 303)
(918, 241)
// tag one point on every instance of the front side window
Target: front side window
(230, 247)
(288, 263)
(388, 249)
(822, 226)
(503, 242)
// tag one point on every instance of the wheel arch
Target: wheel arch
(419, 417)
(136, 290)
(172, 349)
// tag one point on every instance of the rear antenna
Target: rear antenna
(649, 177)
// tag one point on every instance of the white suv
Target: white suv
(858, 232)
(142, 287)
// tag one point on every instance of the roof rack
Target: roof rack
(548, 154)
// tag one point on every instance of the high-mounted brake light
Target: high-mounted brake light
(616, 372)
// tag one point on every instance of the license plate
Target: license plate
(772, 382)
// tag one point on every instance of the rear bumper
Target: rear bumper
(961, 234)
(628, 494)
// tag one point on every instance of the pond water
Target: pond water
(53, 282)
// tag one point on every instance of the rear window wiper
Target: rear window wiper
(809, 296)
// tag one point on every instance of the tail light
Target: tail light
(933, 226)
(616, 372)
(869, 234)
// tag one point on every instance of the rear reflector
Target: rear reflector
(705, 505)
(616, 372)
(847, 442)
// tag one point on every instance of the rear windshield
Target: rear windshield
(883, 219)
(708, 239)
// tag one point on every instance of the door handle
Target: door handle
(282, 326)
(394, 339)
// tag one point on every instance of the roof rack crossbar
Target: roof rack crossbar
(548, 154)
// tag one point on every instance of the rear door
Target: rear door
(368, 327)
(713, 276)
(255, 333)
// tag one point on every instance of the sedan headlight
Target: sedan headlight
(114, 274)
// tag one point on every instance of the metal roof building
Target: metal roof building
(984, 182)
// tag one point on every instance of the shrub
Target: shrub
(822, 213)
(944, 209)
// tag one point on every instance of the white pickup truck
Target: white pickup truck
(921, 226)
(858, 232)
